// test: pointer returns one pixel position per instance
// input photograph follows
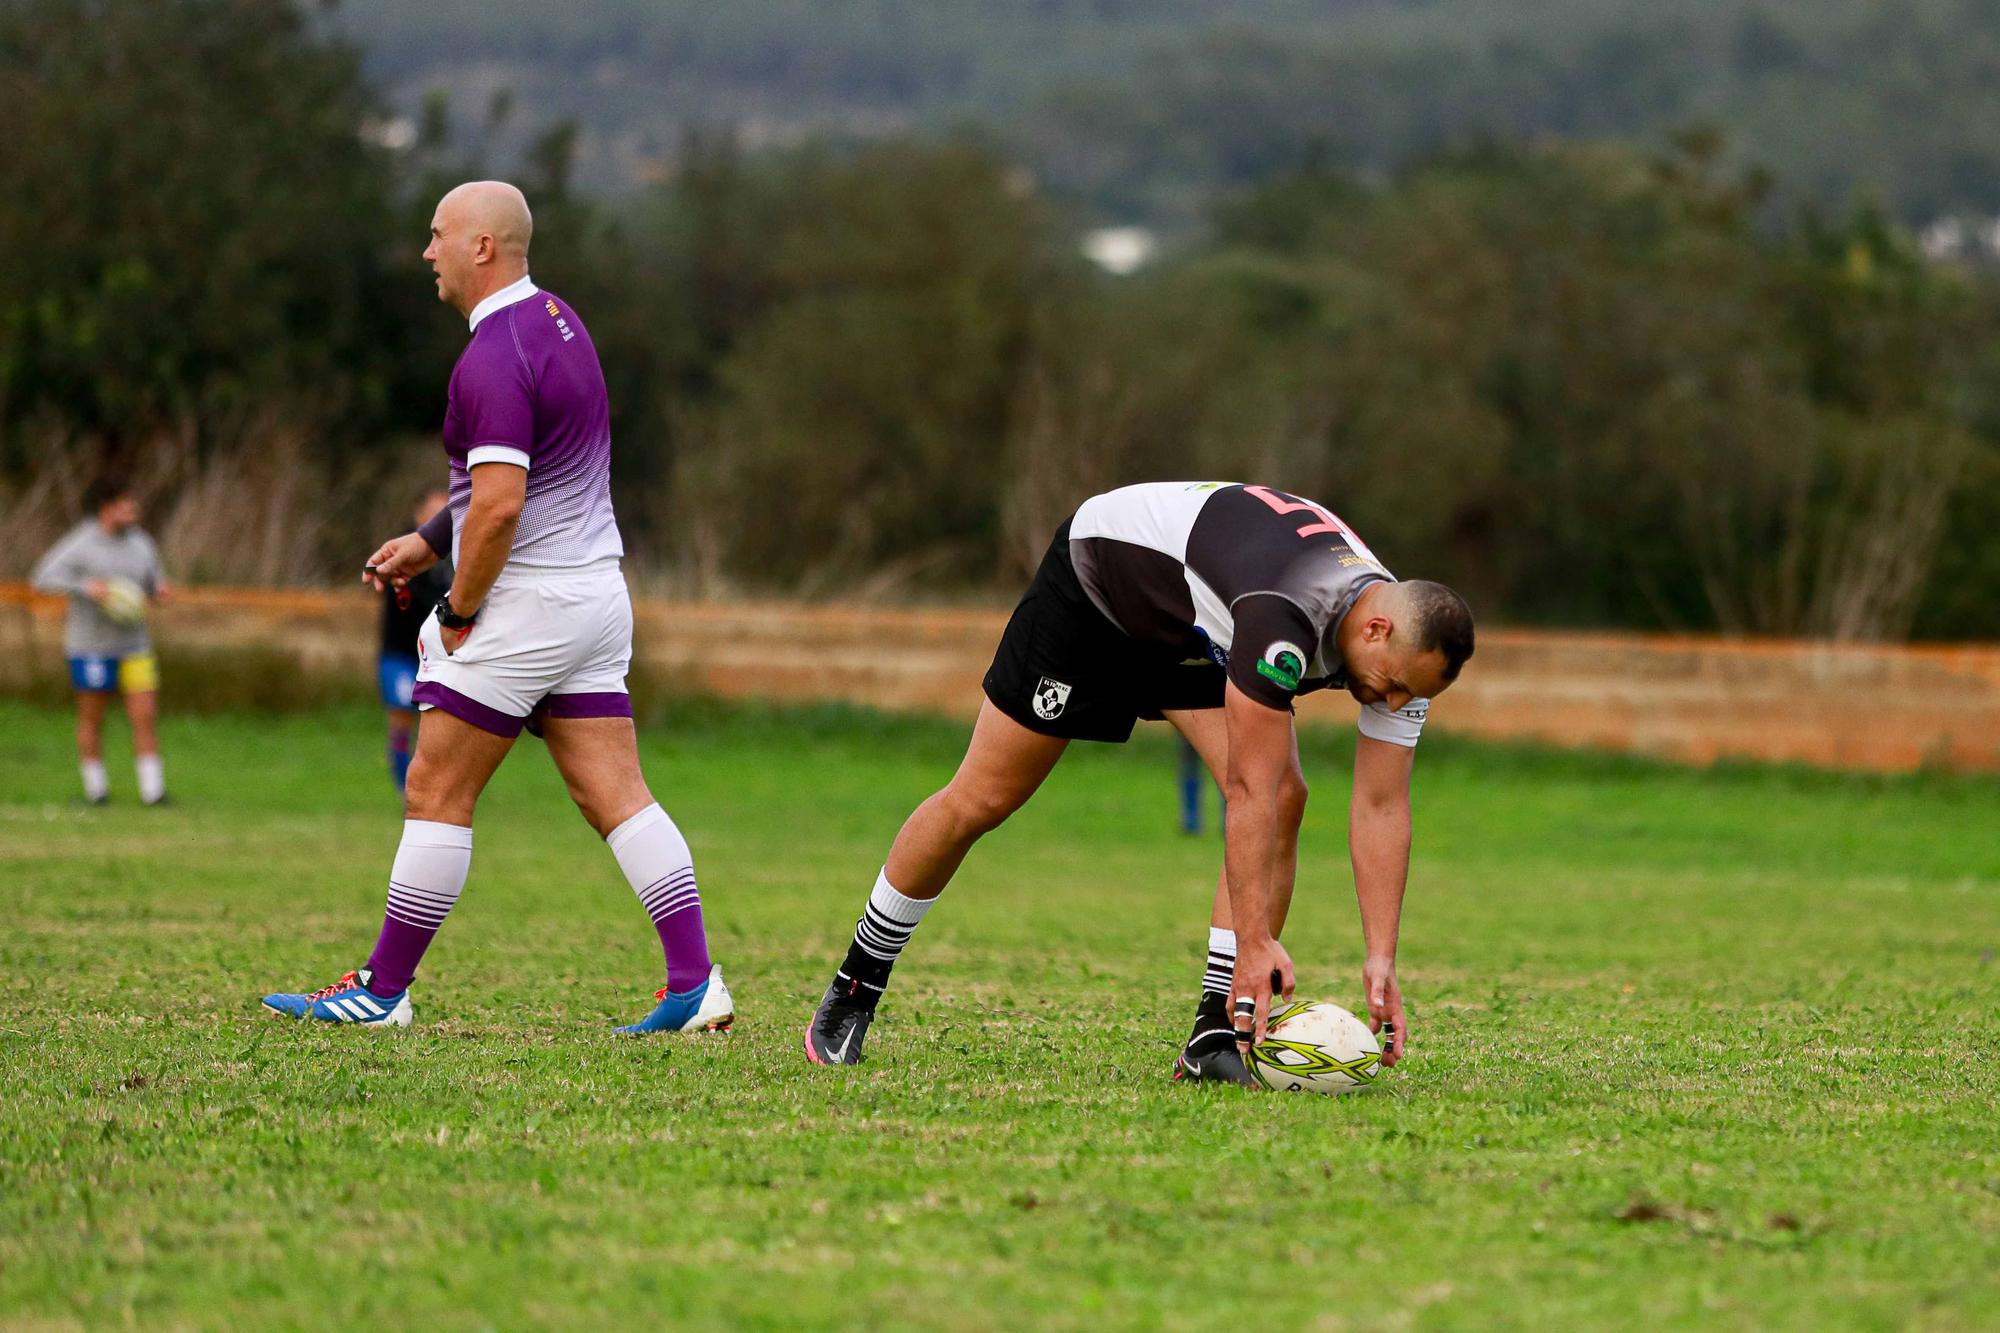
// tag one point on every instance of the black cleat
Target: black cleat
(1211, 1053)
(841, 1021)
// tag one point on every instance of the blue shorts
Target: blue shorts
(396, 674)
(137, 673)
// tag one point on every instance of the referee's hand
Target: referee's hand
(1263, 970)
(397, 561)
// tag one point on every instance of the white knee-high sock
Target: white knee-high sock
(889, 920)
(885, 927)
(1221, 969)
(424, 883)
(660, 869)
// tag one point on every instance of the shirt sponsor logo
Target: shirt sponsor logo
(1284, 663)
(1051, 697)
(562, 325)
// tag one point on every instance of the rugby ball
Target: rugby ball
(124, 601)
(1313, 1047)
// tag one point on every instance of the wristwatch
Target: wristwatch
(450, 619)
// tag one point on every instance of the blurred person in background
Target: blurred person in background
(109, 569)
(404, 611)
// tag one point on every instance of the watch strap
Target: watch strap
(451, 619)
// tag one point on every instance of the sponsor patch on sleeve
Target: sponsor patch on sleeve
(1284, 663)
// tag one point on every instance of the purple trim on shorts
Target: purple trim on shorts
(466, 710)
(609, 703)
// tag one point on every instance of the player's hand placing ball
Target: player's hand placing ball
(1263, 969)
(1385, 1007)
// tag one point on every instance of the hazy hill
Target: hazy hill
(1142, 105)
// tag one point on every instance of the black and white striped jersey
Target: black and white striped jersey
(1251, 578)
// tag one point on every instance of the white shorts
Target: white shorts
(548, 643)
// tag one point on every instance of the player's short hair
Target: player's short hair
(1442, 621)
(104, 490)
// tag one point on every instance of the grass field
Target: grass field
(1692, 1050)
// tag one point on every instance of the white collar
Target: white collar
(506, 296)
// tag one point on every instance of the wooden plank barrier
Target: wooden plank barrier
(1684, 697)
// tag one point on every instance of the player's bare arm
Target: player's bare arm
(1378, 841)
(498, 490)
(1258, 827)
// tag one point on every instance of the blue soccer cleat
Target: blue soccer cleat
(347, 1000)
(705, 1008)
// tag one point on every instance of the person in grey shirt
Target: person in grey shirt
(110, 570)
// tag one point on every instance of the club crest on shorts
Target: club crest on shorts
(1050, 698)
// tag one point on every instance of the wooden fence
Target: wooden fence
(1690, 698)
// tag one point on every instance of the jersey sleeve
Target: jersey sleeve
(436, 533)
(59, 571)
(1398, 726)
(1274, 643)
(498, 403)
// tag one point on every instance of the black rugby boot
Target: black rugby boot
(834, 1036)
(1210, 1055)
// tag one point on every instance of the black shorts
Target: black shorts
(1063, 669)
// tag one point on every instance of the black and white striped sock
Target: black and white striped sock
(885, 926)
(1221, 969)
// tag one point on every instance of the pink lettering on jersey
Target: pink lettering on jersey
(1283, 506)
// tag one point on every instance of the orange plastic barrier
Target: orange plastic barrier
(1686, 697)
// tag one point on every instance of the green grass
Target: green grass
(1691, 1050)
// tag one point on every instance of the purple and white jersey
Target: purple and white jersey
(528, 390)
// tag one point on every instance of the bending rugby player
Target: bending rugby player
(1212, 606)
(535, 632)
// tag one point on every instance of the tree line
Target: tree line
(1141, 108)
(1588, 384)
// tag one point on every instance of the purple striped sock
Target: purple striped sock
(660, 868)
(429, 874)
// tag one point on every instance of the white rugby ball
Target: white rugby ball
(1309, 1046)
(124, 601)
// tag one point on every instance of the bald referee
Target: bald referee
(535, 632)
